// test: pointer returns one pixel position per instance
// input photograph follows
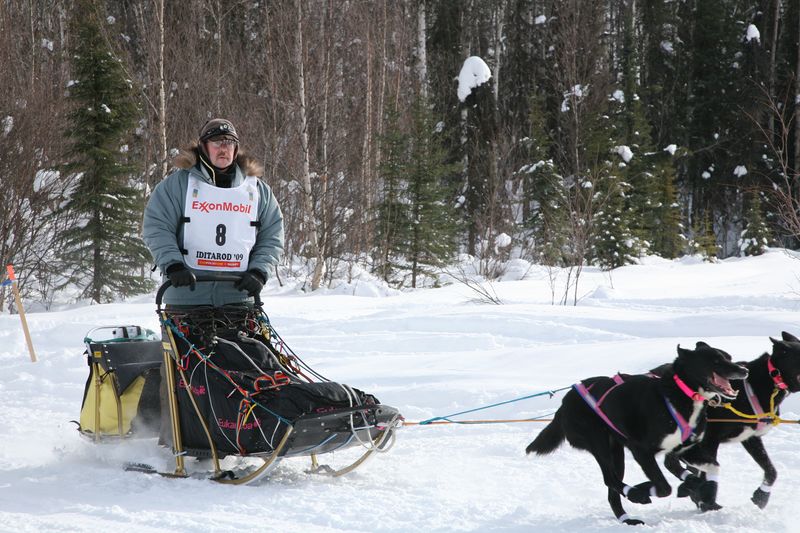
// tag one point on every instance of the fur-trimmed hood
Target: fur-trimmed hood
(187, 158)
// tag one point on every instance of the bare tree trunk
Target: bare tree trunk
(366, 146)
(422, 67)
(309, 220)
(499, 14)
(797, 104)
(773, 54)
(162, 97)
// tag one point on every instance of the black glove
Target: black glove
(252, 281)
(180, 276)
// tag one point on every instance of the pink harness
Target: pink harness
(687, 430)
(775, 374)
(584, 393)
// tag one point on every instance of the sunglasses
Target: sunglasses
(223, 142)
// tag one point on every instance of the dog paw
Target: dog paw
(760, 498)
(705, 496)
(689, 486)
(633, 522)
(640, 493)
(708, 506)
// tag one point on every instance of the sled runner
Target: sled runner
(231, 386)
(121, 394)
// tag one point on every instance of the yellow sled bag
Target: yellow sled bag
(121, 394)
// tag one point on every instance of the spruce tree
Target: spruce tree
(667, 238)
(545, 196)
(432, 236)
(613, 243)
(755, 237)
(102, 252)
(393, 217)
(417, 224)
(704, 242)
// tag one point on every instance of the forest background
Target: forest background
(608, 130)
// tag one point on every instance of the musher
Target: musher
(213, 214)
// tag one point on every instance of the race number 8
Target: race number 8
(220, 239)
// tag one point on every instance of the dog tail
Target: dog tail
(549, 439)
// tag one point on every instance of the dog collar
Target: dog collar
(775, 374)
(694, 395)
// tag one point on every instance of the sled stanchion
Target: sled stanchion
(12, 278)
(169, 371)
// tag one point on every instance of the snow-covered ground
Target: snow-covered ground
(430, 353)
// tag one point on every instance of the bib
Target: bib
(220, 225)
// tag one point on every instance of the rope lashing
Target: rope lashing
(446, 418)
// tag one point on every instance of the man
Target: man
(213, 214)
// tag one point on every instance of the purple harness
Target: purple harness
(584, 393)
(687, 430)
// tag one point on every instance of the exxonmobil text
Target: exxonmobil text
(207, 207)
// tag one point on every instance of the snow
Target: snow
(624, 152)
(752, 34)
(503, 240)
(576, 93)
(671, 149)
(429, 353)
(740, 171)
(474, 73)
(7, 124)
(540, 19)
(619, 96)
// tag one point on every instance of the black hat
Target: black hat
(218, 127)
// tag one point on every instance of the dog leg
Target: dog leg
(755, 447)
(658, 485)
(618, 464)
(703, 490)
(705, 497)
(691, 481)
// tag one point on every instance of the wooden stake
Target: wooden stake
(12, 277)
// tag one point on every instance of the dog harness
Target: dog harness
(755, 405)
(775, 374)
(584, 392)
(687, 430)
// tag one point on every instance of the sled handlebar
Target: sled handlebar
(203, 278)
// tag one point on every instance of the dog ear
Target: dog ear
(788, 337)
(778, 347)
(701, 344)
(683, 351)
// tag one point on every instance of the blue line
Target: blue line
(447, 417)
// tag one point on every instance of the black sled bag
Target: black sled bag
(247, 411)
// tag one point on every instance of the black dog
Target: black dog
(645, 414)
(777, 374)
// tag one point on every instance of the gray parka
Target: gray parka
(163, 232)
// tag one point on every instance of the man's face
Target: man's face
(221, 152)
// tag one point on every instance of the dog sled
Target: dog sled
(121, 396)
(230, 386)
